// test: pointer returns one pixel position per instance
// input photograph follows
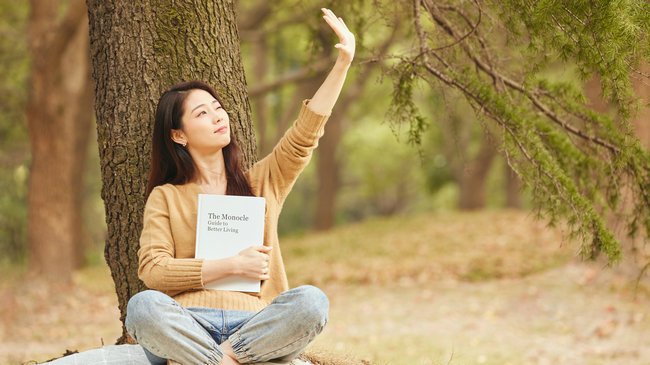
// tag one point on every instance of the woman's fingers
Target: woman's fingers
(344, 25)
(335, 23)
(263, 249)
(256, 262)
(346, 44)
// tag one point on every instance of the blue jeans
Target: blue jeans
(166, 330)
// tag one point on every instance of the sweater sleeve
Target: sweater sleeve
(158, 268)
(292, 153)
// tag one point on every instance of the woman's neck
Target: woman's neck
(211, 174)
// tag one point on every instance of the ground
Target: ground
(435, 309)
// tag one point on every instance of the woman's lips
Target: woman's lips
(222, 129)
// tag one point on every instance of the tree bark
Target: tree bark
(327, 170)
(470, 172)
(513, 188)
(138, 50)
(473, 177)
(260, 54)
(59, 115)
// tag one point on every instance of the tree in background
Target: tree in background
(59, 119)
(138, 50)
(575, 161)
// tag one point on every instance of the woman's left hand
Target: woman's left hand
(346, 43)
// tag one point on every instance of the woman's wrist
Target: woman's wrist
(212, 270)
(235, 265)
(342, 64)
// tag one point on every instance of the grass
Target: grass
(380, 255)
(362, 266)
(420, 248)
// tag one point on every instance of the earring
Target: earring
(184, 144)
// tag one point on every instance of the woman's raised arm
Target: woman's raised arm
(323, 100)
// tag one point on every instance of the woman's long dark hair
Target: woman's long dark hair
(170, 161)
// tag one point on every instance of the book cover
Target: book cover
(226, 225)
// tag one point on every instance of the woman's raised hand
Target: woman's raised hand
(253, 262)
(346, 43)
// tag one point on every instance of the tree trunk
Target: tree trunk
(327, 170)
(260, 55)
(513, 188)
(469, 171)
(473, 177)
(138, 50)
(59, 114)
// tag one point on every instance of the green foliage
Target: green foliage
(377, 174)
(576, 161)
(15, 62)
(380, 175)
(13, 214)
(13, 130)
(402, 109)
(606, 38)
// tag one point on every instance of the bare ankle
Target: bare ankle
(227, 360)
(229, 357)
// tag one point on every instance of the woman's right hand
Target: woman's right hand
(346, 43)
(253, 262)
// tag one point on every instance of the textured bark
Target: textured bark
(138, 50)
(59, 115)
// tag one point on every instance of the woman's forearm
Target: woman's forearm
(217, 269)
(325, 97)
(251, 263)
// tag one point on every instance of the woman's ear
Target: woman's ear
(178, 136)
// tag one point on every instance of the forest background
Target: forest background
(367, 166)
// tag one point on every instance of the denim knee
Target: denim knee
(313, 303)
(140, 309)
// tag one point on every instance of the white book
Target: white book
(225, 226)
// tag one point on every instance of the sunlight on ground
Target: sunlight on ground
(456, 288)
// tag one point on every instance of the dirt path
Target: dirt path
(574, 314)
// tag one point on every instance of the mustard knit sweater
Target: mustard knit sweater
(167, 242)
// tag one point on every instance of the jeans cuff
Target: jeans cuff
(216, 356)
(239, 348)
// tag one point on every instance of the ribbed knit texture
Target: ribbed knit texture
(167, 242)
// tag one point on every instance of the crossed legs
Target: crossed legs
(281, 331)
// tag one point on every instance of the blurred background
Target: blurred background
(455, 269)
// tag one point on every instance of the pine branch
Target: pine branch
(490, 70)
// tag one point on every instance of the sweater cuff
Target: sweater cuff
(184, 273)
(310, 124)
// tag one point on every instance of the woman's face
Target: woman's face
(205, 124)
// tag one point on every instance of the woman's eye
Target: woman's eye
(202, 113)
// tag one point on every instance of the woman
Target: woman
(194, 152)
